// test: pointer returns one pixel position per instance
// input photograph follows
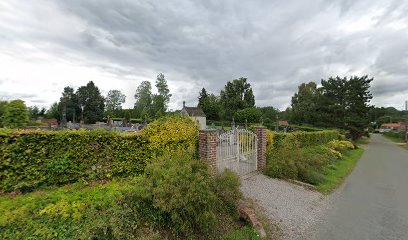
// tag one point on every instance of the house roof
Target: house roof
(283, 123)
(391, 125)
(194, 111)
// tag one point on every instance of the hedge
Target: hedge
(34, 158)
(304, 138)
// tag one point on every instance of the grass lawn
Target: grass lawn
(339, 170)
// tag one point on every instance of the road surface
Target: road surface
(374, 201)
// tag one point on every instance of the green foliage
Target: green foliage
(303, 156)
(162, 99)
(114, 101)
(179, 188)
(340, 145)
(227, 186)
(252, 115)
(175, 198)
(33, 158)
(304, 104)
(93, 103)
(340, 103)
(237, 94)
(15, 114)
(400, 135)
(53, 112)
(69, 103)
(210, 104)
(306, 138)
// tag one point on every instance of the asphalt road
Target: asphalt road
(374, 201)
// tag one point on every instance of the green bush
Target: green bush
(281, 160)
(174, 198)
(289, 160)
(304, 139)
(400, 135)
(33, 158)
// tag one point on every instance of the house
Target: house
(196, 114)
(283, 123)
(386, 127)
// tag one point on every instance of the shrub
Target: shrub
(174, 198)
(15, 114)
(281, 159)
(33, 158)
(180, 189)
(305, 139)
(340, 145)
(226, 186)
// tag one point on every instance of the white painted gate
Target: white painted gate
(237, 151)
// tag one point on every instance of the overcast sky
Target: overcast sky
(47, 45)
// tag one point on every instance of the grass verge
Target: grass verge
(339, 170)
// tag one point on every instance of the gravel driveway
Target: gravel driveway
(295, 209)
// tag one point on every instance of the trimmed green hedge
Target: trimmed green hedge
(33, 158)
(304, 138)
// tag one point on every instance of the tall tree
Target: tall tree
(143, 98)
(162, 99)
(114, 101)
(269, 114)
(304, 104)
(92, 101)
(69, 105)
(333, 102)
(201, 99)
(2, 108)
(237, 95)
(15, 114)
(357, 99)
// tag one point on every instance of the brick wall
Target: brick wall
(261, 134)
(208, 149)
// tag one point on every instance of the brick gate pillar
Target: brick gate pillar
(261, 134)
(207, 149)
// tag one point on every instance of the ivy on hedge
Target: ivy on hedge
(33, 158)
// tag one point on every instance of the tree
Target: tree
(269, 114)
(357, 98)
(53, 112)
(143, 98)
(33, 112)
(2, 108)
(211, 107)
(237, 95)
(69, 105)
(304, 104)
(162, 99)
(202, 98)
(15, 114)
(252, 115)
(93, 103)
(114, 101)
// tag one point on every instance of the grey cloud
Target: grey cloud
(275, 44)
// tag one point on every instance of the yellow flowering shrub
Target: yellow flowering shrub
(340, 145)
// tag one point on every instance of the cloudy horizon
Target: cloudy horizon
(49, 44)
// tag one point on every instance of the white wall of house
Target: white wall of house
(202, 122)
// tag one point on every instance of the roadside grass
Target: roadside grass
(335, 174)
(245, 233)
(362, 141)
(397, 140)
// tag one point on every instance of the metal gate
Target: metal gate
(237, 151)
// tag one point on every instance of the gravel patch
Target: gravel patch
(295, 209)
